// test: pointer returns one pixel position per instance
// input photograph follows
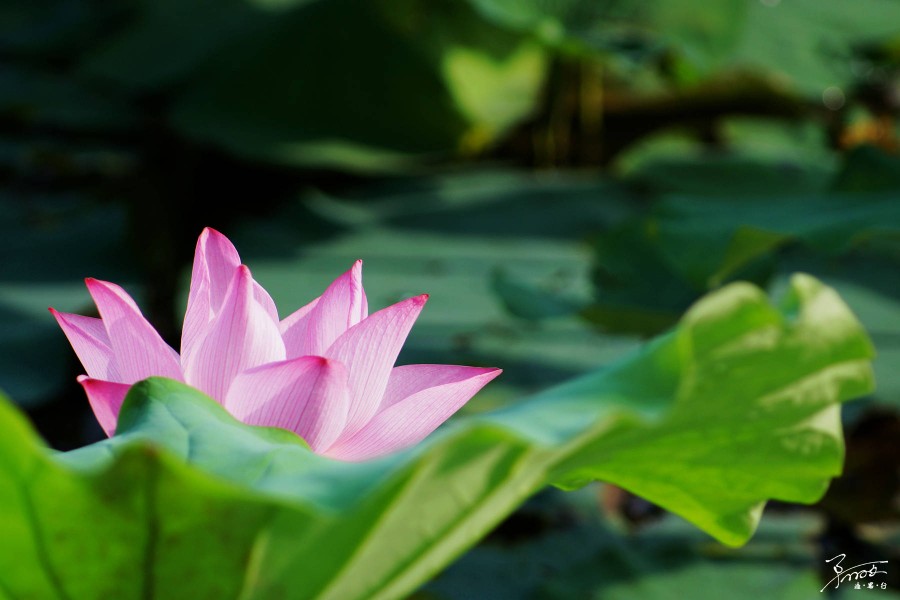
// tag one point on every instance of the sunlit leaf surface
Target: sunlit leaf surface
(738, 404)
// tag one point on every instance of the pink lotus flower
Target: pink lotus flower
(326, 372)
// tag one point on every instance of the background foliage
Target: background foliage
(564, 177)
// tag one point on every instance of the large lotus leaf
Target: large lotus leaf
(869, 285)
(625, 26)
(699, 237)
(803, 45)
(867, 169)
(708, 239)
(737, 404)
(760, 156)
(431, 79)
(360, 85)
(638, 291)
(806, 44)
(812, 42)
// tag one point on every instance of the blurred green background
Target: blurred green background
(564, 177)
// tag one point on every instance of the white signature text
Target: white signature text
(861, 571)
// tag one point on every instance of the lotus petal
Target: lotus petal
(138, 351)
(241, 336)
(106, 399)
(370, 349)
(306, 395)
(293, 330)
(90, 342)
(417, 400)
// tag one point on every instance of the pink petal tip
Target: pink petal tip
(106, 399)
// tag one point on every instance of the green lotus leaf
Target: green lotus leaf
(739, 403)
